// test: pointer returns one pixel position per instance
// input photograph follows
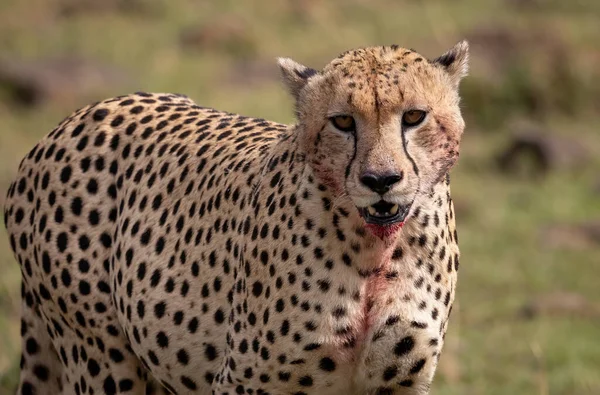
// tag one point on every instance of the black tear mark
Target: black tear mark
(318, 138)
(353, 155)
(404, 146)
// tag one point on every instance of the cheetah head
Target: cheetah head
(380, 126)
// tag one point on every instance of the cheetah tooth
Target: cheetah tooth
(394, 209)
(372, 210)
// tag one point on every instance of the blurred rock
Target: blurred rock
(526, 4)
(596, 187)
(249, 73)
(500, 44)
(229, 33)
(462, 208)
(530, 70)
(533, 153)
(575, 237)
(70, 8)
(66, 79)
(560, 304)
(304, 11)
(494, 40)
(449, 366)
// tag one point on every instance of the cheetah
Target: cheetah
(166, 246)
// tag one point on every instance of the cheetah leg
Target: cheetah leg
(41, 369)
(106, 366)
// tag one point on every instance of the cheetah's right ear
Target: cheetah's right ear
(456, 61)
(295, 76)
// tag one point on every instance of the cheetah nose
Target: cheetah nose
(380, 183)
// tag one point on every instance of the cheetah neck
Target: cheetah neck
(374, 277)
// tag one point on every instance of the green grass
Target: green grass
(552, 81)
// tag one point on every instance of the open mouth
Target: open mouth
(383, 213)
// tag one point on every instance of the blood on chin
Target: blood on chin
(385, 232)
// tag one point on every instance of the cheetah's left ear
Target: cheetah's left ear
(295, 76)
(456, 61)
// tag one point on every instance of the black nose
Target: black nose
(380, 183)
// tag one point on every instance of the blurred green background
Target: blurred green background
(527, 186)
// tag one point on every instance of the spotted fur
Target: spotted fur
(171, 247)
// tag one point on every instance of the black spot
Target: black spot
(390, 372)
(41, 372)
(84, 287)
(27, 388)
(188, 382)
(418, 366)
(19, 215)
(65, 276)
(100, 138)
(92, 186)
(183, 357)
(145, 238)
(31, 346)
(305, 381)
(94, 217)
(115, 355)
(65, 174)
(84, 242)
(220, 316)
(398, 253)
(159, 309)
(93, 367)
(84, 266)
(82, 143)
(327, 364)
(155, 278)
(193, 325)
(404, 346)
(114, 142)
(125, 385)
(420, 325)
(210, 352)
(46, 263)
(100, 114)
(153, 358)
(257, 288)
(76, 206)
(284, 376)
(110, 387)
(162, 339)
(392, 320)
(62, 241)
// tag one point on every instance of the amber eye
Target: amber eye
(413, 117)
(345, 123)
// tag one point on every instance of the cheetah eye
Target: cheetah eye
(345, 123)
(413, 117)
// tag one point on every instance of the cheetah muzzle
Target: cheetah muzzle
(170, 247)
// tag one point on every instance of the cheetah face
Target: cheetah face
(380, 126)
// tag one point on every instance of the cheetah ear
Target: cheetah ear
(456, 62)
(295, 76)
